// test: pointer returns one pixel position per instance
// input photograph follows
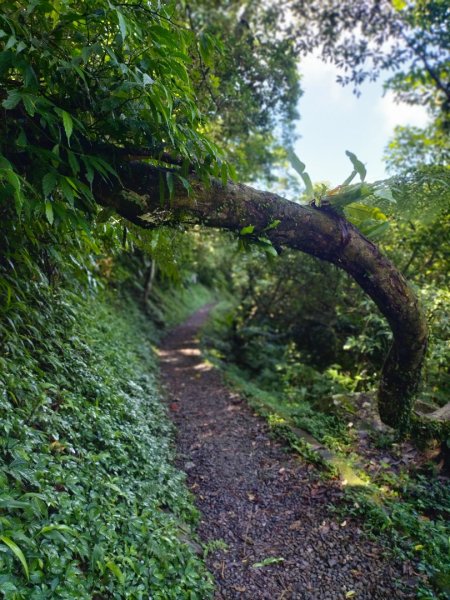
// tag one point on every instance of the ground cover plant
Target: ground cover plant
(90, 503)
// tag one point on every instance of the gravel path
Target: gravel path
(263, 502)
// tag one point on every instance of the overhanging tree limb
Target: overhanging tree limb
(318, 232)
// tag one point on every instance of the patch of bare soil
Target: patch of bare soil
(283, 543)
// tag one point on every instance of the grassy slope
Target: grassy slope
(90, 504)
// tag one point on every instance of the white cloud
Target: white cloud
(322, 77)
(398, 113)
(314, 68)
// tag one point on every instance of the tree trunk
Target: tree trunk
(316, 231)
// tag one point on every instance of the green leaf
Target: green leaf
(296, 163)
(232, 173)
(29, 102)
(57, 527)
(11, 42)
(17, 552)
(362, 211)
(12, 100)
(20, 46)
(21, 140)
(8, 502)
(375, 230)
(185, 183)
(350, 178)
(270, 251)
(49, 211)
(370, 220)
(300, 168)
(49, 182)
(73, 162)
(357, 164)
(271, 560)
(384, 193)
(13, 179)
(224, 174)
(272, 225)
(206, 49)
(147, 80)
(247, 230)
(68, 124)
(347, 195)
(116, 571)
(170, 183)
(308, 185)
(122, 25)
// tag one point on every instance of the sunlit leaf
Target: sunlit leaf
(122, 24)
(116, 571)
(49, 211)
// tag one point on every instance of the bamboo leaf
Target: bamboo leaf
(170, 183)
(116, 571)
(48, 183)
(17, 552)
(49, 211)
(122, 25)
(68, 124)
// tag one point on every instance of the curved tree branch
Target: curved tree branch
(318, 232)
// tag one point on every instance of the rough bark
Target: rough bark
(319, 232)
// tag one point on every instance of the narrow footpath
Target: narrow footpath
(265, 504)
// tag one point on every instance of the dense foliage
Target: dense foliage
(90, 505)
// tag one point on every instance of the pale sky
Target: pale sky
(333, 120)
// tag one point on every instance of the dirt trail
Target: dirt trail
(263, 502)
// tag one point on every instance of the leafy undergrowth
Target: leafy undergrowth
(407, 506)
(90, 504)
